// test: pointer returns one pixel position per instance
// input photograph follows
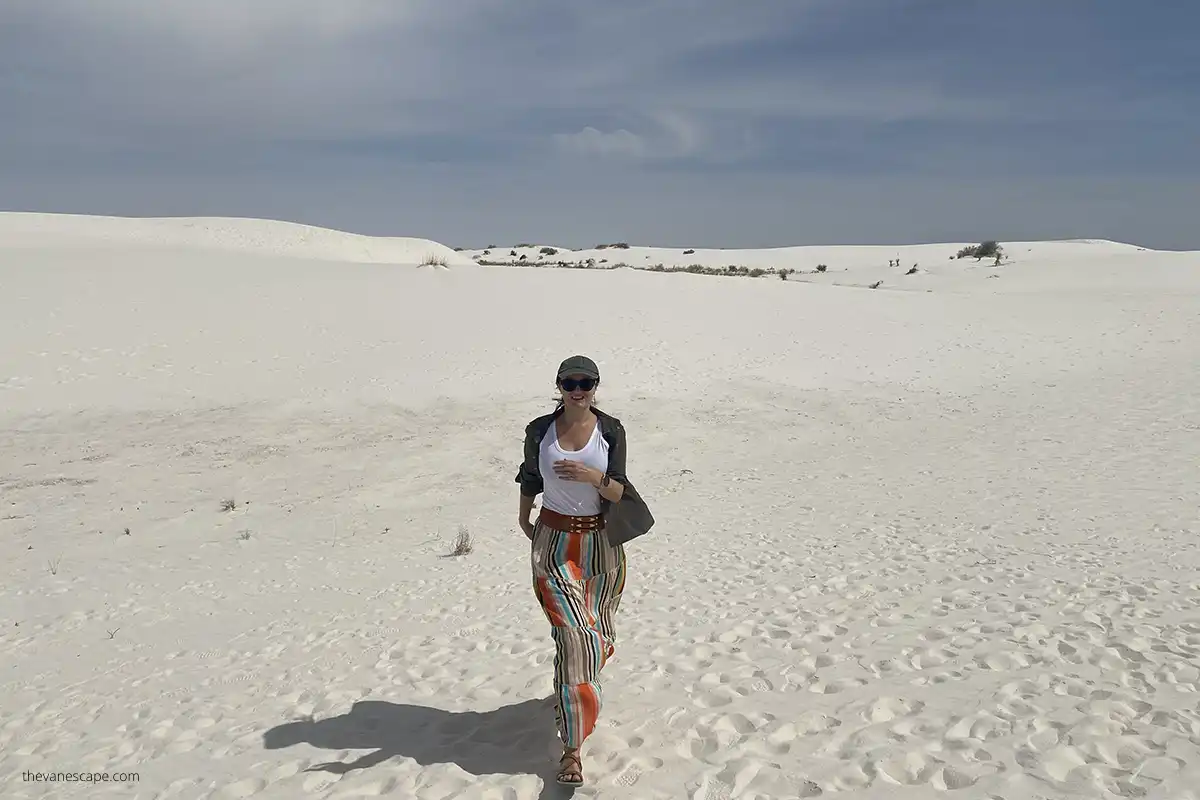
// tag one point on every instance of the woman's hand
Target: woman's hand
(526, 528)
(576, 471)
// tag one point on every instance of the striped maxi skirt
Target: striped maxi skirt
(578, 579)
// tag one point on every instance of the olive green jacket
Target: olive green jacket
(624, 520)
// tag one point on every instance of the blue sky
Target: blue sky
(673, 122)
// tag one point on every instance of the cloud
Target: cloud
(667, 136)
(590, 141)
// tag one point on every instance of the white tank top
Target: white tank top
(571, 497)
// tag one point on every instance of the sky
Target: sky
(701, 123)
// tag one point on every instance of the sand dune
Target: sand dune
(247, 236)
(923, 267)
(911, 544)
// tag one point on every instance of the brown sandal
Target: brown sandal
(566, 775)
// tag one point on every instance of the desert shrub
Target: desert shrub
(688, 252)
(548, 251)
(757, 272)
(988, 249)
(621, 246)
(822, 267)
(601, 247)
(524, 244)
(434, 261)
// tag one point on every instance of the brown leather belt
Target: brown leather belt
(570, 524)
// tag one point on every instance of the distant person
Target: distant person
(575, 458)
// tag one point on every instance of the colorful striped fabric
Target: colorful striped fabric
(578, 579)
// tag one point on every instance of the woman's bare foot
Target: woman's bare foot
(570, 768)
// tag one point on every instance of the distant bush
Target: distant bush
(548, 251)
(822, 267)
(988, 249)
(601, 247)
(525, 244)
(621, 246)
(688, 252)
(512, 253)
(730, 270)
(434, 261)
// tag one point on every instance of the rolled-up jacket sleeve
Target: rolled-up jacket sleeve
(529, 475)
(616, 457)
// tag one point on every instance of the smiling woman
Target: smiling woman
(575, 457)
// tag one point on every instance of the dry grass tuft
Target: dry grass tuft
(463, 545)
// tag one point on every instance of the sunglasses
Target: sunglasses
(571, 384)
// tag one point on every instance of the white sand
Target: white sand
(911, 544)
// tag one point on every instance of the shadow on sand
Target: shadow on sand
(511, 740)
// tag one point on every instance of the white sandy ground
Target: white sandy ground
(910, 544)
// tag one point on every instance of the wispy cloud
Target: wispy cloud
(664, 136)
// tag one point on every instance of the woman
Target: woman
(575, 458)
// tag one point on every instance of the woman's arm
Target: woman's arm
(530, 478)
(613, 492)
(523, 518)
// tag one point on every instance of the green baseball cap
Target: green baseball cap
(578, 365)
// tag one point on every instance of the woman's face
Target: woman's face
(577, 390)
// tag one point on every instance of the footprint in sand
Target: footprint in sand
(886, 709)
(639, 766)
